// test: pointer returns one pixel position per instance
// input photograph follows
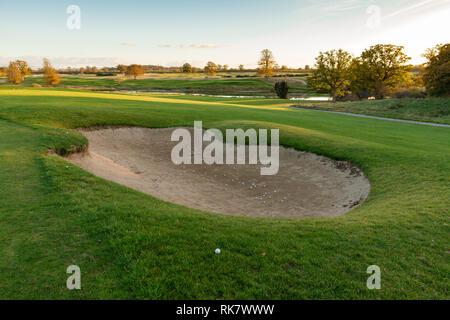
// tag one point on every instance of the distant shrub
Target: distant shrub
(414, 93)
(15, 74)
(289, 75)
(187, 68)
(36, 85)
(281, 88)
(51, 77)
(135, 70)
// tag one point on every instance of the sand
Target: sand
(307, 185)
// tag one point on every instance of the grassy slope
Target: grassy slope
(52, 216)
(151, 83)
(247, 86)
(428, 110)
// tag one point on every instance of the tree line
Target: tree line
(19, 69)
(267, 67)
(378, 71)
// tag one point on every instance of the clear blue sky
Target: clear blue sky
(232, 32)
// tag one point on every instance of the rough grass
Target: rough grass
(427, 110)
(218, 86)
(52, 216)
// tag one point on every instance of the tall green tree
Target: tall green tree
(379, 69)
(436, 77)
(332, 73)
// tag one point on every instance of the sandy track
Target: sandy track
(306, 185)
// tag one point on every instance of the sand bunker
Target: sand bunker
(307, 185)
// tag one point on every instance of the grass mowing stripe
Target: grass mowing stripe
(151, 249)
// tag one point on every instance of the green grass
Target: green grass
(428, 110)
(217, 86)
(52, 216)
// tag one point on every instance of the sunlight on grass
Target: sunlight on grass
(152, 249)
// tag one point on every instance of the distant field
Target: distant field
(215, 85)
(429, 110)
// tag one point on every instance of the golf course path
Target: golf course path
(375, 117)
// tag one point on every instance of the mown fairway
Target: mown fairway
(131, 245)
(217, 86)
(214, 85)
(429, 110)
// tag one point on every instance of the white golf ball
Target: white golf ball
(217, 251)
